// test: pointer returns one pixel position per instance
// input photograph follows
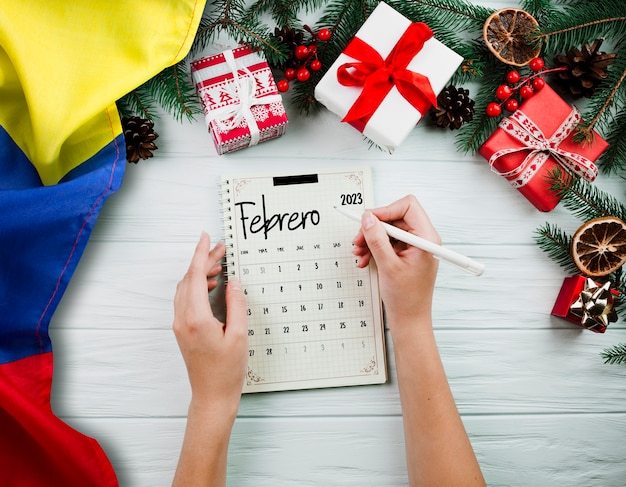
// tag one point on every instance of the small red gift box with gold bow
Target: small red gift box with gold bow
(537, 139)
(387, 77)
(586, 303)
(239, 98)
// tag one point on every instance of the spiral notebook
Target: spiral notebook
(314, 318)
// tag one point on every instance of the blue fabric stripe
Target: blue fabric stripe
(43, 233)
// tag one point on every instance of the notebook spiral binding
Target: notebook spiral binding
(227, 227)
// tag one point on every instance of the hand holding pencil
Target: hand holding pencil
(406, 273)
(443, 253)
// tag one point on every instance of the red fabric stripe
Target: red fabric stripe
(37, 448)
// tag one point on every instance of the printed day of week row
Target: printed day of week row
(293, 250)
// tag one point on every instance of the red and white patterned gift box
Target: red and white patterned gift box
(239, 97)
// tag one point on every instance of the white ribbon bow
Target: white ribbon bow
(522, 128)
(243, 91)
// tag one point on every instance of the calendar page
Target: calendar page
(314, 318)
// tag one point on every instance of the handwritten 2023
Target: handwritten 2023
(255, 223)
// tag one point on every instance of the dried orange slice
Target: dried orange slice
(507, 35)
(599, 246)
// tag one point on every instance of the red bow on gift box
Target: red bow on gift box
(378, 76)
(540, 147)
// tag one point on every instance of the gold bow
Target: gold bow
(595, 306)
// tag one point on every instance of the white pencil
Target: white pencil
(447, 255)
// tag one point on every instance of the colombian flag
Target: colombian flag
(63, 64)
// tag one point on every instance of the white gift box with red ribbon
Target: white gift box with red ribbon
(239, 97)
(395, 117)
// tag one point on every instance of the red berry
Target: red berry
(493, 109)
(290, 73)
(323, 35)
(538, 84)
(513, 77)
(282, 85)
(303, 74)
(316, 65)
(301, 52)
(536, 64)
(511, 104)
(526, 92)
(503, 92)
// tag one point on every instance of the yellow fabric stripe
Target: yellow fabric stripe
(63, 64)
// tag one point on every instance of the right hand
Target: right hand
(406, 274)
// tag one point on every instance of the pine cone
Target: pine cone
(454, 108)
(586, 68)
(291, 38)
(139, 136)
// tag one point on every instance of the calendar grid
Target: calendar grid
(314, 318)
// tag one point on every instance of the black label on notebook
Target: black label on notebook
(302, 179)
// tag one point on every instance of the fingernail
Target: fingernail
(368, 220)
(234, 284)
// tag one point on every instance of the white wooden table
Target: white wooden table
(537, 401)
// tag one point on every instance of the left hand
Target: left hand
(215, 353)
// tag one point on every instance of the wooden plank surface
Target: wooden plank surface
(538, 403)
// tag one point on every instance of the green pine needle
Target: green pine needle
(541, 9)
(456, 16)
(615, 354)
(583, 22)
(171, 89)
(472, 135)
(343, 18)
(556, 243)
(613, 161)
(584, 199)
(182, 100)
(136, 103)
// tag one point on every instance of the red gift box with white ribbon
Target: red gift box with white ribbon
(537, 139)
(241, 103)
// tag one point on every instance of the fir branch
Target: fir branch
(587, 131)
(444, 15)
(136, 103)
(541, 9)
(584, 199)
(609, 98)
(582, 23)
(613, 159)
(283, 13)
(229, 16)
(286, 12)
(615, 354)
(473, 134)
(473, 66)
(173, 91)
(556, 243)
(343, 18)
